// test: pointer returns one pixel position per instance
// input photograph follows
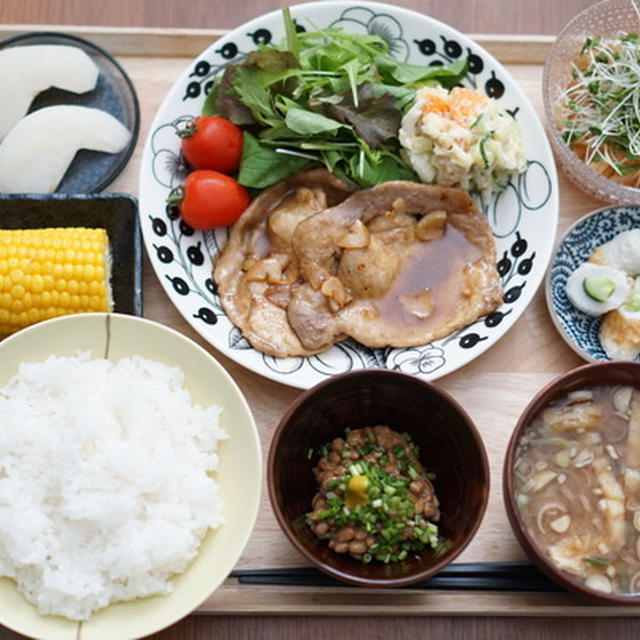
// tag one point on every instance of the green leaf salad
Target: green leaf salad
(326, 97)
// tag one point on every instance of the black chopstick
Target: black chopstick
(485, 576)
(462, 568)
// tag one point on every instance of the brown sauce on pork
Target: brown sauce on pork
(434, 266)
(400, 264)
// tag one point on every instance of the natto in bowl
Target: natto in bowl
(449, 443)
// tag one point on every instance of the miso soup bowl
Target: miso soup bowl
(590, 375)
(449, 443)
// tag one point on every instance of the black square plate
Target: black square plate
(117, 213)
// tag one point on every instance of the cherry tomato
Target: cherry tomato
(213, 143)
(212, 199)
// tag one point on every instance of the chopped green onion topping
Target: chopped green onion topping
(597, 561)
(388, 514)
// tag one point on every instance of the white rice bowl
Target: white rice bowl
(239, 472)
(105, 490)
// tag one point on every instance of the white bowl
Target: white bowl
(116, 336)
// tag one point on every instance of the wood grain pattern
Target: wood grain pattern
(376, 628)
(471, 16)
(189, 43)
(541, 354)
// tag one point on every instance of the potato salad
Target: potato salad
(461, 138)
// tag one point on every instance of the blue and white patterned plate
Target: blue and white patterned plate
(580, 331)
(523, 218)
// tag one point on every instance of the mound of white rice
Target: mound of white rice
(104, 485)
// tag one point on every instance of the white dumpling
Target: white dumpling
(621, 252)
(579, 297)
(25, 71)
(39, 149)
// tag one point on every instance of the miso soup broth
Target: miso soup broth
(576, 479)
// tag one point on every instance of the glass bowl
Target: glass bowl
(609, 18)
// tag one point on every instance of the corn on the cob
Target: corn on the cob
(46, 273)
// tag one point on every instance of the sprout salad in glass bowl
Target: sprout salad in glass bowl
(592, 100)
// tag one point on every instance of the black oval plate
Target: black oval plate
(90, 171)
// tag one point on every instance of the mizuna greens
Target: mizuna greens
(325, 97)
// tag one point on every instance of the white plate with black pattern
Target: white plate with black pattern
(523, 218)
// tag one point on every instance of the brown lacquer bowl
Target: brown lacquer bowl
(449, 443)
(602, 373)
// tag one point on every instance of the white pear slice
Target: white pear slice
(39, 149)
(28, 70)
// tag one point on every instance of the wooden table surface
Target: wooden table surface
(471, 16)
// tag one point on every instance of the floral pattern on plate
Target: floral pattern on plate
(523, 218)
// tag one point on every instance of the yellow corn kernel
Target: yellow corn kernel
(46, 273)
(37, 283)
